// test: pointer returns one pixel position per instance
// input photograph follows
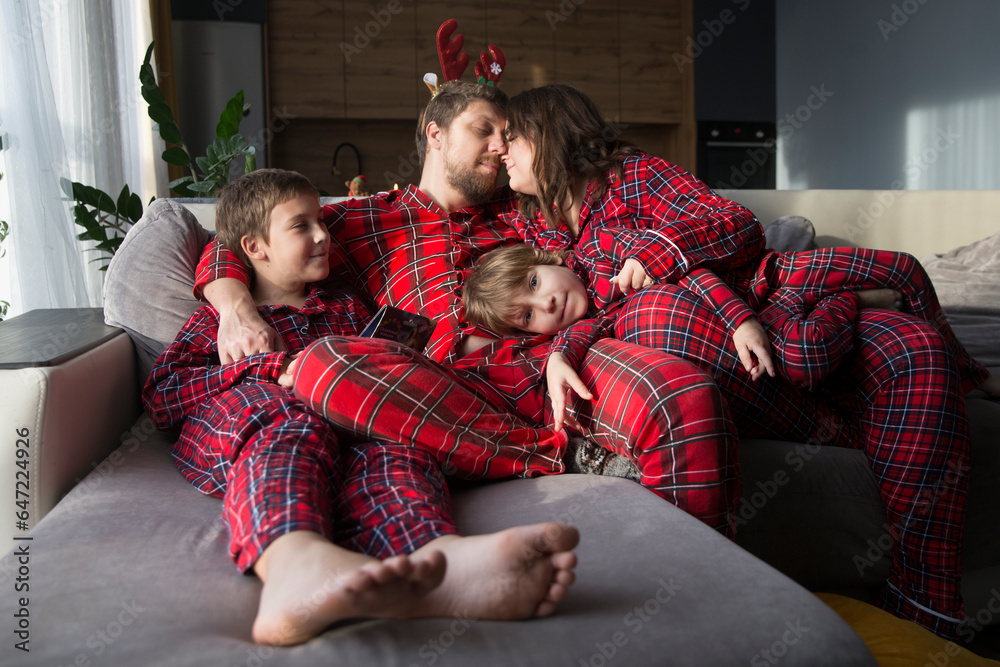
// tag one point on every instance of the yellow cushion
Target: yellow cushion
(895, 641)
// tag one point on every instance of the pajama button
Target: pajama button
(304, 330)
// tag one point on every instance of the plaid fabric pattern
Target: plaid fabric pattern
(659, 411)
(785, 285)
(394, 500)
(381, 389)
(681, 224)
(276, 463)
(917, 438)
(897, 397)
(403, 250)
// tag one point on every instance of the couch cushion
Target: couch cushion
(148, 286)
(134, 554)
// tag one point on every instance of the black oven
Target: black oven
(735, 155)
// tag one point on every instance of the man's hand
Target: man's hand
(288, 367)
(632, 276)
(242, 331)
(561, 379)
(751, 341)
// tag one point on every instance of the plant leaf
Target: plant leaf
(134, 208)
(170, 133)
(229, 119)
(177, 156)
(202, 187)
(122, 204)
(161, 113)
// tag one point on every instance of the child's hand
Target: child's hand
(562, 379)
(632, 276)
(288, 370)
(751, 340)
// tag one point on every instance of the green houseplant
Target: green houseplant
(105, 220)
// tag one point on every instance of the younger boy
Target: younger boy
(521, 288)
(292, 492)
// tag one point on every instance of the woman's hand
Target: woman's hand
(751, 341)
(632, 276)
(288, 367)
(561, 379)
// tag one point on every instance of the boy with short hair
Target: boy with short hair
(576, 297)
(292, 492)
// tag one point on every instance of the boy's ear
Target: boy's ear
(254, 247)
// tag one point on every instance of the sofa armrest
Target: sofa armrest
(70, 395)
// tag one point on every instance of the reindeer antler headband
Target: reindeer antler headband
(453, 61)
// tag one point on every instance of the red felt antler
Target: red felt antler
(453, 61)
(491, 65)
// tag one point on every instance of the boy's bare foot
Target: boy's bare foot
(991, 386)
(888, 299)
(508, 575)
(310, 583)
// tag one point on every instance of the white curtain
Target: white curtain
(70, 110)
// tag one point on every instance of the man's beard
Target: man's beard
(475, 186)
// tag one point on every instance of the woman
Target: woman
(577, 182)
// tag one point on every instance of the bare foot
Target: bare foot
(991, 386)
(310, 583)
(512, 574)
(888, 299)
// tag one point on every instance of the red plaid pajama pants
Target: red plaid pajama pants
(661, 412)
(804, 303)
(279, 467)
(897, 396)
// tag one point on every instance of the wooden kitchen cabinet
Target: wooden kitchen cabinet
(346, 64)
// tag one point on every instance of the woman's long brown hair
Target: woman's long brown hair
(570, 139)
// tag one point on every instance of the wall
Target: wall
(888, 95)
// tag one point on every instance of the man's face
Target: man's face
(471, 152)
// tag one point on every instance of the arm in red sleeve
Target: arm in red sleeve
(693, 226)
(188, 372)
(574, 341)
(217, 262)
(731, 309)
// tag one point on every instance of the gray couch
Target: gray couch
(130, 567)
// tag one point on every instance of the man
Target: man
(412, 249)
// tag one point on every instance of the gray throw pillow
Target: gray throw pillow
(791, 233)
(147, 290)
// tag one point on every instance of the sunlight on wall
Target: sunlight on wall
(954, 146)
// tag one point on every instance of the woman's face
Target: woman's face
(518, 160)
